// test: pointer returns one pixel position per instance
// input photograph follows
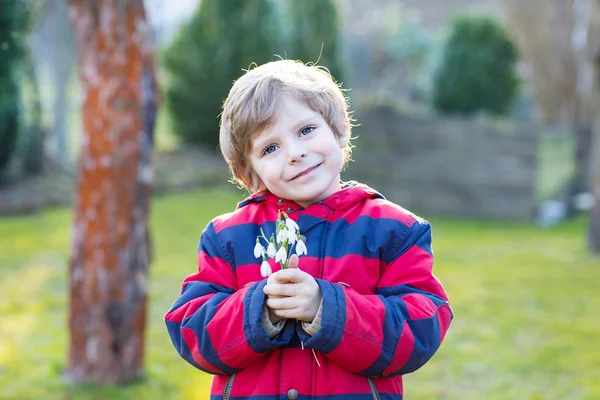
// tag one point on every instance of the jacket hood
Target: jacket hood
(351, 193)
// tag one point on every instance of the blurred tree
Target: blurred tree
(111, 244)
(54, 53)
(34, 135)
(313, 34)
(13, 28)
(478, 68)
(223, 38)
(594, 230)
(559, 40)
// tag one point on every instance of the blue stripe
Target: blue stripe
(193, 290)
(214, 247)
(198, 323)
(427, 341)
(393, 326)
(402, 290)
(425, 331)
(419, 234)
(174, 330)
(378, 238)
(256, 336)
(333, 320)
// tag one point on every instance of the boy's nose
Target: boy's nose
(297, 156)
(296, 153)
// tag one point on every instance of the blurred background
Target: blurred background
(479, 115)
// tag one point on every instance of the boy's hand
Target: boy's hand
(293, 293)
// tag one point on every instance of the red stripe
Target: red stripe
(250, 214)
(403, 351)
(334, 270)
(187, 309)
(251, 381)
(190, 339)
(373, 209)
(419, 306)
(255, 213)
(444, 316)
(361, 311)
(413, 268)
(335, 380)
(226, 331)
(344, 269)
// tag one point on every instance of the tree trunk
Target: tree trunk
(581, 180)
(594, 231)
(111, 247)
(34, 151)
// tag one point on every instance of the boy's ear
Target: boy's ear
(343, 141)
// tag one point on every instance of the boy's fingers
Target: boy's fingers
(279, 290)
(283, 303)
(285, 314)
(294, 260)
(293, 275)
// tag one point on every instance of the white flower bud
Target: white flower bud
(292, 225)
(271, 251)
(301, 248)
(265, 269)
(281, 256)
(259, 251)
(283, 235)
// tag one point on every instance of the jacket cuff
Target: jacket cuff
(333, 319)
(270, 328)
(313, 327)
(256, 335)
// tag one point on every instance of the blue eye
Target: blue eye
(270, 149)
(307, 130)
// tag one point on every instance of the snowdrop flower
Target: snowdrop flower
(301, 248)
(282, 236)
(292, 225)
(271, 251)
(259, 251)
(292, 237)
(265, 269)
(281, 256)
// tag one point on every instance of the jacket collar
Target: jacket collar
(352, 193)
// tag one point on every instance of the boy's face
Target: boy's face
(298, 158)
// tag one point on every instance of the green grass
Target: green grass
(525, 301)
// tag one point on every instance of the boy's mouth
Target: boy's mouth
(306, 171)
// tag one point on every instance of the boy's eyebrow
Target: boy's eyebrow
(304, 121)
(261, 140)
(267, 136)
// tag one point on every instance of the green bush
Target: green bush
(9, 126)
(13, 28)
(314, 25)
(477, 71)
(223, 38)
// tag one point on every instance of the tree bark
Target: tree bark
(594, 230)
(581, 180)
(110, 252)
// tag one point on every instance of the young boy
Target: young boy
(346, 320)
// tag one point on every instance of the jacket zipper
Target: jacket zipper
(228, 385)
(373, 389)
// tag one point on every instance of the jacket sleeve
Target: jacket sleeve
(396, 330)
(214, 325)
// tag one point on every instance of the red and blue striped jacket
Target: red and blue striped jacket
(384, 314)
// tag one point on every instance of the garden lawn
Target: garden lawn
(526, 304)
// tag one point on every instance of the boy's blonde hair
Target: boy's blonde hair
(253, 102)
